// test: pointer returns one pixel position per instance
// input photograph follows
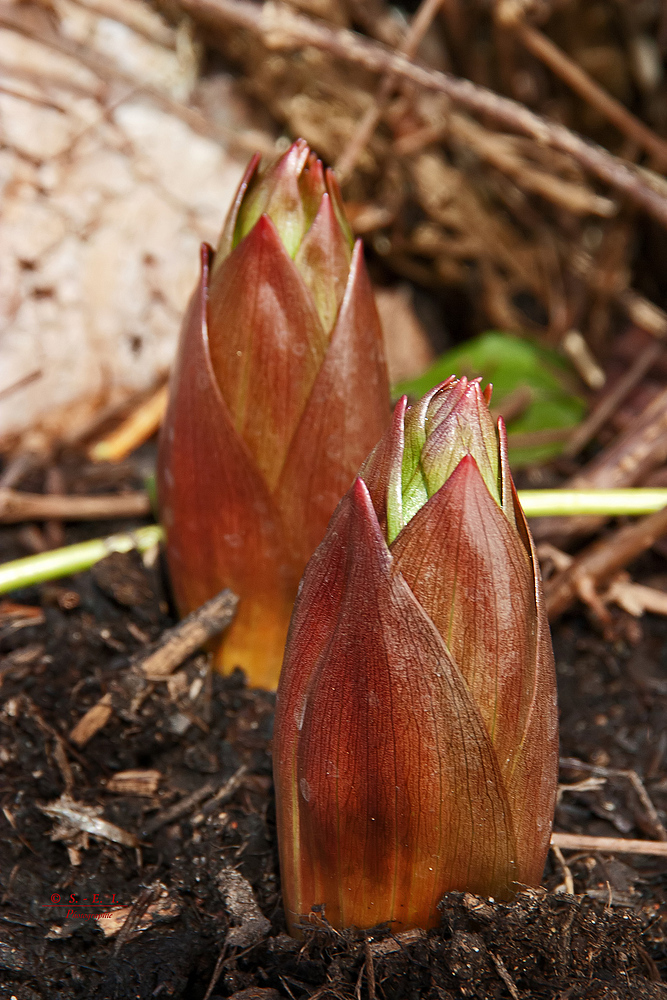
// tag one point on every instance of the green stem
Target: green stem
(611, 503)
(74, 558)
(536, 503)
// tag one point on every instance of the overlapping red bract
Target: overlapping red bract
(279, 391)
(415, 746)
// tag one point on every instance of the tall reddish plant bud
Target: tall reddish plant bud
(415, 747)
(278, 392)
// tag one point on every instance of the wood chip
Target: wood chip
(635, 598)
(20, 659)
(165, 907)
(138, 427)
(159, 662)
(94, 720)
(20, 615)
(135, 782)
(74, 817)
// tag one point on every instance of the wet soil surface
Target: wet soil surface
(143, 863)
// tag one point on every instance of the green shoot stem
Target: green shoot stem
(611, 503)
(74, 558)
(536, 503)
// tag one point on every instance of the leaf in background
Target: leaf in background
(525, 377)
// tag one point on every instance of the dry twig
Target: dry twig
(575, 77)
(370, 970)
(625, 462)
(635, 598)
(610, 845)
(504, 975)
(608, 405)
(568, 881)
(418, 28)
(179, 642)
(601, 560)
(645, 314)
(610, 772)
(221, 794)
(158, 663)
(499, 150)
(16, 506)
(281, 28)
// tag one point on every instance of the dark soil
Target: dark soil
(191, 894)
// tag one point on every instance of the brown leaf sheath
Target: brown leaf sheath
(379, 469)
(346, 414)
(212, 545)
(532, 786)
(479, 596)
(323, 260)
(266, 344)
(481, 599)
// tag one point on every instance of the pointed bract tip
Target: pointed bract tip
(302, 145)
(400, 407)
(313, 170)
(361, 496)
(339, 207)
(206, 255)
(323, 260)
(226, 241)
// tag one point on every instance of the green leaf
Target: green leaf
(514, 365)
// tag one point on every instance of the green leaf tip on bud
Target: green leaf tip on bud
(449, 422)
(304, 203)
(415, 747)
(279, 391)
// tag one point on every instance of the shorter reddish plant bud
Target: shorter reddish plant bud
(416, 744)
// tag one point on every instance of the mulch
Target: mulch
(178, 858)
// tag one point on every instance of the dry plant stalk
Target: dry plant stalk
(600, 561)
(509, 13)
(409, 47)
(610, 845)
(493, 194)
(16, 506)
(282, 29)
(625, 462)
(522, 203)
(608, 405)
